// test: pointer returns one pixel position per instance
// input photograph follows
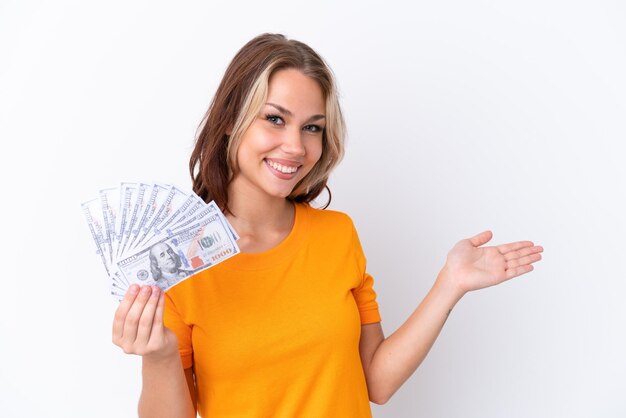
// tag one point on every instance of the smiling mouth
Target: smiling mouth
(282, 168)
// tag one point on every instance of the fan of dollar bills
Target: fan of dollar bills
(156, 234)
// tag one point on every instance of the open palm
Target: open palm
(474, 267)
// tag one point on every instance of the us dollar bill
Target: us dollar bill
(175, 258)
(127, 192)
(192, 203)
(156, 234)
(93, 215)
(109, 201)
(137, 205)
(174, 199)
(155, 199)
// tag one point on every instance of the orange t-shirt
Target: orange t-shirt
(276, 334)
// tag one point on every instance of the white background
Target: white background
(462, 116)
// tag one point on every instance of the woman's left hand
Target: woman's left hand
(471, 267)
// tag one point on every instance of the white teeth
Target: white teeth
(281, 168)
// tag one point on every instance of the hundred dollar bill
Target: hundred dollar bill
(157, 230)
(155, 200)
(196, 211)
(209, 209)
(127, 192)
(173, 200)
(192, 217)
(137, 205)
(109, 201)
(173, 259)
(191, 210)
(93, 214)
(191, 204)
(118, 291)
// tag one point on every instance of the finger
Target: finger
(518, 271)
(147, 318)
(157, 323)
(122, 311)
(134, 314)
(533, 258)
(482, 238)
(513, 246)
(522, 252)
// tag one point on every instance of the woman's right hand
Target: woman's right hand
(138, 324)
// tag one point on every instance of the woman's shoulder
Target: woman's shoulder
(329, 218)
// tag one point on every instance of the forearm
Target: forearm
(399, 355)
(165, 393)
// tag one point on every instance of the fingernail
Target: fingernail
(145, 290)
(155, 291)
(133, 289)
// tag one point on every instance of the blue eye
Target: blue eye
(274, 119)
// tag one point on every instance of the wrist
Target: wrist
(160, 359)
(449, 285)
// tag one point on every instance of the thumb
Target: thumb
(482, 238)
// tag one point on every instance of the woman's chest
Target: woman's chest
(251, 320)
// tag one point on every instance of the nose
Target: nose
(292, 143)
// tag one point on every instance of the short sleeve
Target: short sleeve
(174, 321)
(365, 297)
(364, 294)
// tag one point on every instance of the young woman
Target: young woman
(290, 327)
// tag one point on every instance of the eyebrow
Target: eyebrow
(288, 113)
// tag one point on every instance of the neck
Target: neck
(261, 221)
(259, 210)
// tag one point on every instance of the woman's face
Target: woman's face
(284, 142)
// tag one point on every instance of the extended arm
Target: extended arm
(393, 360)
